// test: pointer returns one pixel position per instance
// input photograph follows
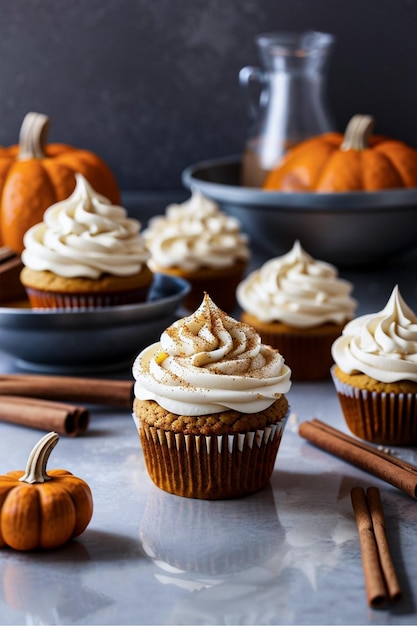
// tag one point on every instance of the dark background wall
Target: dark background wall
(152, 85)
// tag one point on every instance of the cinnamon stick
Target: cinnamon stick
(364, 446)
(378, 522)
(69, 388)
(46, 415)
(374, 580)
(392, 470)
(380, 576)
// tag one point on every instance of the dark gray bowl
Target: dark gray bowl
(90, 341)
(347, 229)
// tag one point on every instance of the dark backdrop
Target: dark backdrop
(152, 85)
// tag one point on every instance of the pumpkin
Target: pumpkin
(355, 161)
(40, 509)
(34, 175)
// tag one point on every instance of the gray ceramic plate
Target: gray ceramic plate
(343, 228)
(89, 341)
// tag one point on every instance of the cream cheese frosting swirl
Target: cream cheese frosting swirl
(381, 345)
(208, 363)
(195, 234)
(85, 236)
(297, 290)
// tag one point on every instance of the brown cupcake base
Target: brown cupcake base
(381, 417)
(307, 351)
(46, 290)
(74, 301)
(220, 284)
(210, 467)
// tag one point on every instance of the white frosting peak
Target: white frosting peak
(297, 290)
(207, 363)
(195, 234)
(85, 235)
(381, 345)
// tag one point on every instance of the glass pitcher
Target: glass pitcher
(291, 103)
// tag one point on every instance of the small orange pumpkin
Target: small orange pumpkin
(34, 175)
(40, 509)
(355, 161)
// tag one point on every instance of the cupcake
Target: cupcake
(198, 242)
(375, 374)
(300, 306)
(210, 406)
(85, 254)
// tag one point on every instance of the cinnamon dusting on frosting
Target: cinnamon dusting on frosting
(214, 363)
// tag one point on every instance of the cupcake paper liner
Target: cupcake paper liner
(222, 289)
(71, 301)
(379, 417)
(210, 467)
(308, 356)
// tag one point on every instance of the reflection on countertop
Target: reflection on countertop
(244, 531)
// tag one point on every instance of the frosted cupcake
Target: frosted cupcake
(376, 374)
(298, 305)
(210, 406)
(198, 242)
(86, 253)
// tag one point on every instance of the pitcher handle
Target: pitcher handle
(247, 76)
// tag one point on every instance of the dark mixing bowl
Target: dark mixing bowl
(347, 229)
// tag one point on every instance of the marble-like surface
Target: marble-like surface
(287, 555)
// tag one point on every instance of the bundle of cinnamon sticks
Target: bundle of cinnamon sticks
(381, 580)
(52, 402)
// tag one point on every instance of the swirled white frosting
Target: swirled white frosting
(195, 234)
(208, 363)
(297, 290)
(381, 345)
(87, 236)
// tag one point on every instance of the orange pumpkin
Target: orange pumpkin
(355, 161)
(40, 509)
(34, 175)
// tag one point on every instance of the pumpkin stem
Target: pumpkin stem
(38, 459)
(358, 132)
(32, 138)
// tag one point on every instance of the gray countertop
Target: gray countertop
(287, 555)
